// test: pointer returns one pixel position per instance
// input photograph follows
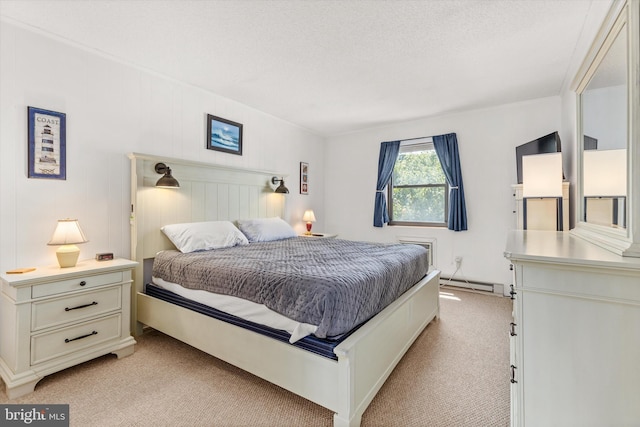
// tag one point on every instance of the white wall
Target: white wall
(487, 139)
(569, 148)
(113, 109)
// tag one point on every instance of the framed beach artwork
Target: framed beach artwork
(47, 133)
(304, 178)
(224, 135)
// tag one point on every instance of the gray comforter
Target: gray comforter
(332, 283)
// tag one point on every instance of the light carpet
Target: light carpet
(455, 374)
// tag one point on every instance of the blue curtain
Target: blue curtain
(446, 147)
(388, 155)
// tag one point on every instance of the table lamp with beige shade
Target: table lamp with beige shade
(67, 235)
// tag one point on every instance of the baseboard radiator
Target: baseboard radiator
(466, 284)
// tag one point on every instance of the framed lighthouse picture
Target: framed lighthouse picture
(47, 144)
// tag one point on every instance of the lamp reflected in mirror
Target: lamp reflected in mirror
(605, 187)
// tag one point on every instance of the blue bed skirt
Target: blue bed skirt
(322, 347)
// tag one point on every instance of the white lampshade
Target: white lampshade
(542, 175)
(309, 216)
(67, 234)
(604, 173)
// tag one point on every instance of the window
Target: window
(418, 191)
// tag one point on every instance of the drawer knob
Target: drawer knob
(80, 337)
(83, 283)
(80, 306)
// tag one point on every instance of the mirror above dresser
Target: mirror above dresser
(608, 134)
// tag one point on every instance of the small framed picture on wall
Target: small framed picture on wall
(47, 134)
(224, 135)
(304, 178)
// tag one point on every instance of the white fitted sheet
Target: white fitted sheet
(245, 309)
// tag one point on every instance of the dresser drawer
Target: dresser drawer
(582, 281)
(79, 283)
(59, 311)
(74, 338)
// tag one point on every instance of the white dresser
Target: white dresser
(53, 318)
(575, 337)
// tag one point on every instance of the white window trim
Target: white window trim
(407, 146)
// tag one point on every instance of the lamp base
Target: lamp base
(308, 233)
(67, 255)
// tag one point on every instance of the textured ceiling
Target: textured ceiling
(335, 66)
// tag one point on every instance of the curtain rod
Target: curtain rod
(413, 139)
(403, 141)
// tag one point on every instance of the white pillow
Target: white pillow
(266, 229)
(204, 236)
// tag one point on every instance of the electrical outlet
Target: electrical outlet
(458, 261)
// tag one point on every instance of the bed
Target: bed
(345, 383)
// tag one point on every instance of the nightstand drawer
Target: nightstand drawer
(45, 314)
(54, 288)
(74, 338)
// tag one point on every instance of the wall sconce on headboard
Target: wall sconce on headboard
(281, 188)
(166, 181)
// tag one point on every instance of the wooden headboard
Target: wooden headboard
(207, 193)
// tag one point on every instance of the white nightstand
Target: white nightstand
(53, 318)
(320, 235)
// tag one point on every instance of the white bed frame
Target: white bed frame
(211, 192)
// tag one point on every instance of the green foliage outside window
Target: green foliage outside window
(419, 189)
